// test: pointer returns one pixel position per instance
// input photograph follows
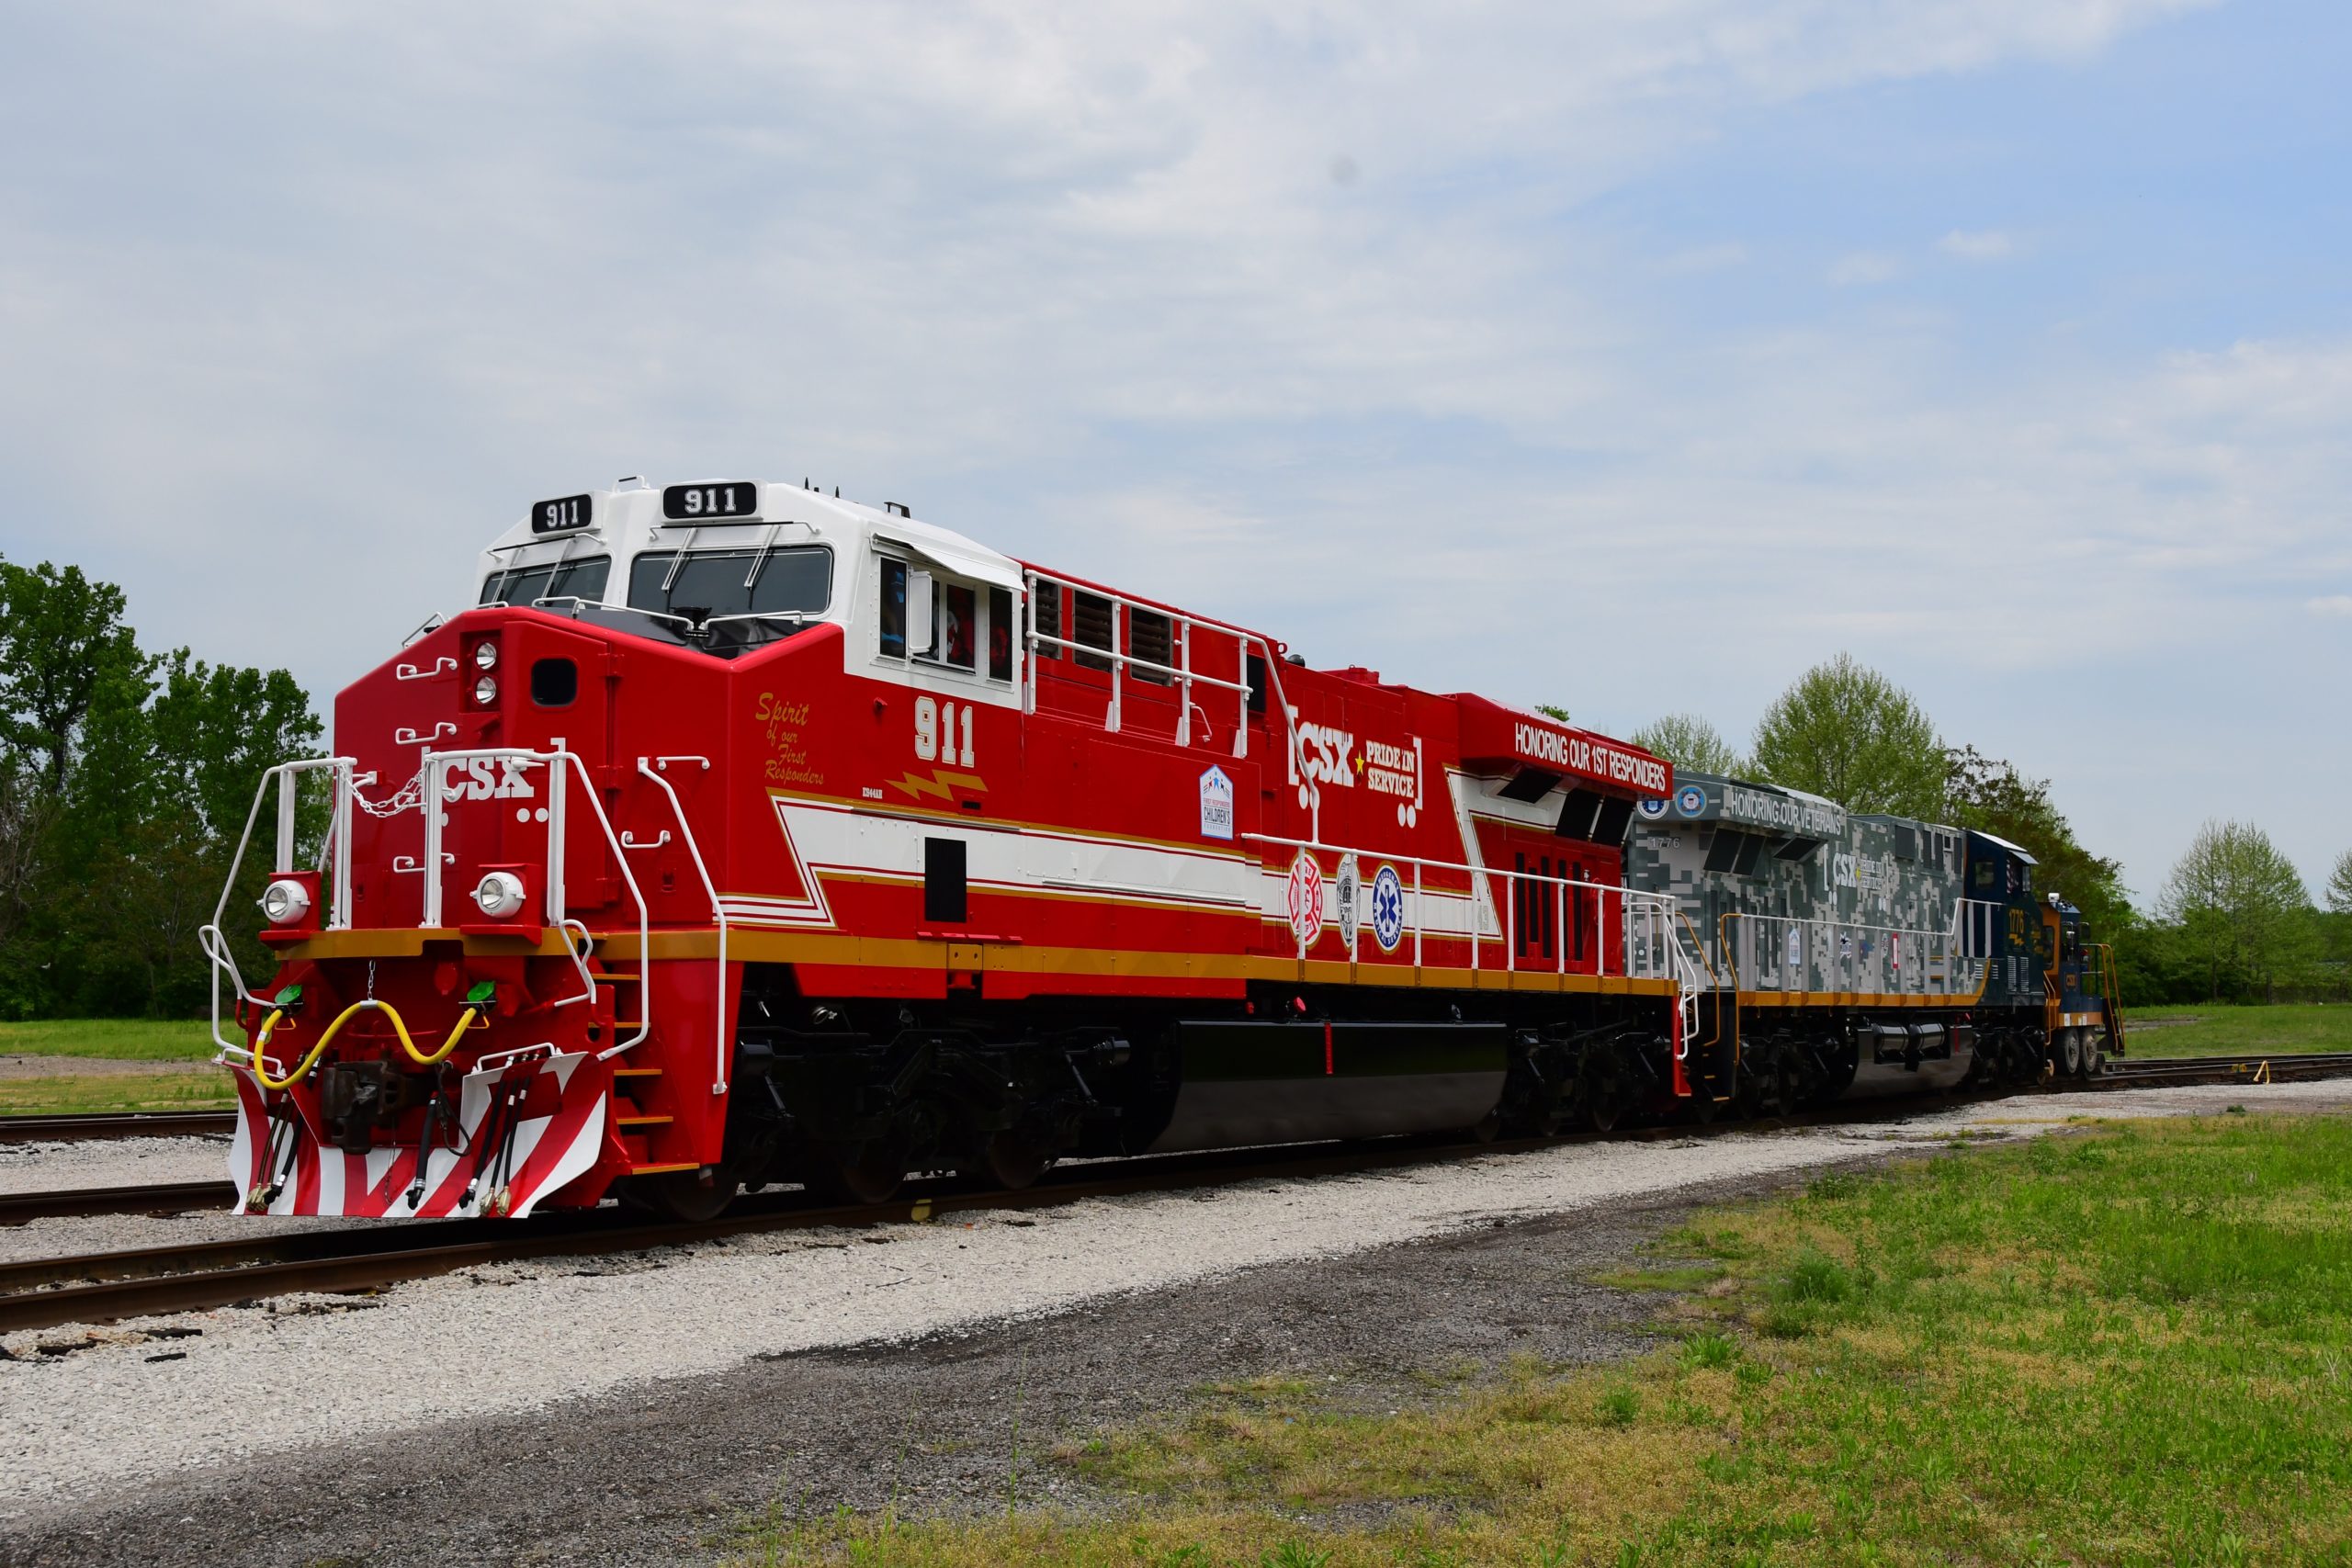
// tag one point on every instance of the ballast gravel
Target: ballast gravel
(101, 1414)
(122, 1162)
(42, 1166)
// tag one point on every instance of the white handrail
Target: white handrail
(208, 936)
(1829, 947)
(558, 907)
(719, 910)
(1181, 624)
(1659, 903)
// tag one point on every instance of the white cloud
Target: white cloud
(1983, 245)
(1865, 267)
(2330, 605)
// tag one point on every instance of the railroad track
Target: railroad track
(149, 1282)
(136, 1125)
(161, 1198)
(2126, 1072)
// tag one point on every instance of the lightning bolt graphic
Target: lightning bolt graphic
(940, 785)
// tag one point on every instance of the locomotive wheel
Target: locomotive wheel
(2066, 1050)
(1766, 1092)
(684, 1196)
(1704, 1106)
(1012, 1159)
(1604, 1100)
(2026, 1063)
(864, 1172)
(2094, 1051)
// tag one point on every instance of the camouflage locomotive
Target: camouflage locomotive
(1852, 953)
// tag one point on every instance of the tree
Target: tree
(178, 773)
(1553, 710)
(124, 782)
(2241, 905)
(61, 641)
(1689, 742)
(1846, 731)
(2339, 884)
(1992, 796)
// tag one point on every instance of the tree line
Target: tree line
(125, 778)
(2233, 922)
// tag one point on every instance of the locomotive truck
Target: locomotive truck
(739, 833)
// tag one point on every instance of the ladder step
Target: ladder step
(611, 978)
(643, 1121)
(662, 1169)
(629, 1024)
(636, 1072)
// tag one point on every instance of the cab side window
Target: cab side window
(955, 624)
(924, 617)
(892, 609)
(999, 634)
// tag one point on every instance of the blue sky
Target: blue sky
(1632, 358)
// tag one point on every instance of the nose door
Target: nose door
(563, 700)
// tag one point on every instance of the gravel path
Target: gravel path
(430, 1405)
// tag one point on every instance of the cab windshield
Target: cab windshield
(580, 578)
(704, 585)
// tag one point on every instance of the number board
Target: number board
(721, 499)
(563, 515)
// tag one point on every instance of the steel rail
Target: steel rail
(166, 1196)
(2277, 1058)
(112, 1124)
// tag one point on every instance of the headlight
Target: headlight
(486, 690)
(500, 895)
(284, 901)
(485, 656)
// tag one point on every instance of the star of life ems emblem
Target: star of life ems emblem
(1387, 909)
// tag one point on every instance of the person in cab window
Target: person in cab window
(999, 634)
(955, 630)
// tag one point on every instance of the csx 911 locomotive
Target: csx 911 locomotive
(741, 833)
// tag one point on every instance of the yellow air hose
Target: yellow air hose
(400, 1027)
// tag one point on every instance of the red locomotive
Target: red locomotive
(741, 833)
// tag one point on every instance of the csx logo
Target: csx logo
(488, 778)
(1323, 755)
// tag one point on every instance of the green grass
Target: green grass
(119, 1039)
(197, 1088)
(2223, 1029)
(2130, 1346)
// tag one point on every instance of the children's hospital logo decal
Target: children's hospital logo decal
(1387, 909)
(1216, 804)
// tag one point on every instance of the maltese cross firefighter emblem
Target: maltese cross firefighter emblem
(1306, 898)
